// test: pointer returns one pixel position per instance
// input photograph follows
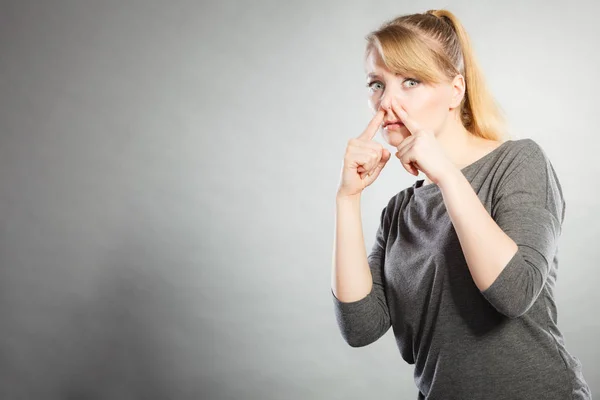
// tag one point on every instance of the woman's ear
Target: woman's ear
(458, 90)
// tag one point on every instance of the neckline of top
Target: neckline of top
(418, 185)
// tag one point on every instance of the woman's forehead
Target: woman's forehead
(374, 62)
(374, 66)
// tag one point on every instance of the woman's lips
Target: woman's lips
(394, 127)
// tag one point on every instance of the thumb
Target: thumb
(375, 173)
(385, 157)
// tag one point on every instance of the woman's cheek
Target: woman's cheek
(371, 104)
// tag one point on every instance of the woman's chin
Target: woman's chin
(395, 138)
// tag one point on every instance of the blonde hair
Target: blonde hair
(434, 47)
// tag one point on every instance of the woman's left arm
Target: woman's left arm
(487, 249)
(510, 252)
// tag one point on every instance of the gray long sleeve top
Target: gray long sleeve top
(500, 343)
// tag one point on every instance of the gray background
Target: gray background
(167, 181)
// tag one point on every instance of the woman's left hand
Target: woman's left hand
(421, 150)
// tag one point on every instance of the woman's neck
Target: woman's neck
(462, 147)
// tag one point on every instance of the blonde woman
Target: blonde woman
(464, 263)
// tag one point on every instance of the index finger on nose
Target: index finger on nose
(373, 126)
(412, 126)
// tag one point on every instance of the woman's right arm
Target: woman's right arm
(356, 280)
(350, 279)
(357, 286)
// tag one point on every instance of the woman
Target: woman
(464, 264)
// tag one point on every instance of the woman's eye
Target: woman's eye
(412, 80)
(369, 85)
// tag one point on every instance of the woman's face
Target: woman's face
(429, 105)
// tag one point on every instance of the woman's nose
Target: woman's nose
(388, 97)
(386, 103)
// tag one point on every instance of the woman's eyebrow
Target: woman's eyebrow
(373, 75)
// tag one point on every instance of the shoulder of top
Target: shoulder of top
(527, 157)
(527, 147)
(526, 144)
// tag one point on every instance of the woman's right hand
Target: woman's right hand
(364, 159)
